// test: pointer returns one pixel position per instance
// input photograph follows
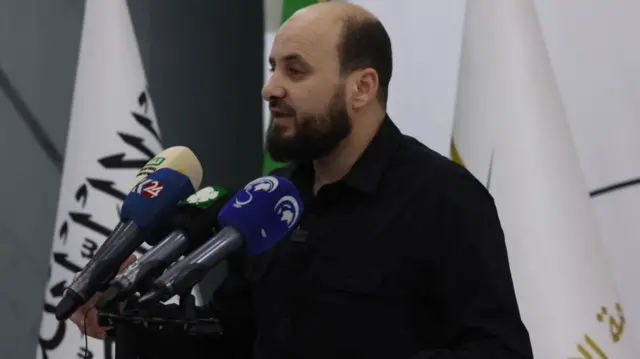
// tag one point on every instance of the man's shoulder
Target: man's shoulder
(435, 171)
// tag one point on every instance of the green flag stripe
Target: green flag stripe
(288, 8)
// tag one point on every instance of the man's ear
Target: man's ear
(364, 87)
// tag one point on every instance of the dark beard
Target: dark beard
(315, 136)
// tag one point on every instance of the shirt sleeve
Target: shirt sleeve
(473, 284)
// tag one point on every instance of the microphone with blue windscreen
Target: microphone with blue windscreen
(146, 207)
(194, 221)
(257, 217)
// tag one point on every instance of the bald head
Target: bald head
(331, 66)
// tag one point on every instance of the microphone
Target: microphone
(179, 158)
(147, 206)
(257, 217)
(195, 220)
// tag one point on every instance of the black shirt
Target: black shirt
(402, 258)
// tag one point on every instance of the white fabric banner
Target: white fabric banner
(510, 130)
(113, 132)
(596, 60)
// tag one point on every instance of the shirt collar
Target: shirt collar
(368, 169)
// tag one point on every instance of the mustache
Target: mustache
(281, 107)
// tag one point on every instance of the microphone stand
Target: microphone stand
(125, 324)
(126, 343)
(124, 336)
(188, 305)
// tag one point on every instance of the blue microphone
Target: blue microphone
(146, 207)
(257, 217)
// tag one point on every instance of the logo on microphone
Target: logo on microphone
(148, 188)
(204, 195)
(267, 184)
(288, 210)
(156, 161)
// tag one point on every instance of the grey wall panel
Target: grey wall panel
(38, 53)
(29, 191)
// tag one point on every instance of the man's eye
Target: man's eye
(293, 71)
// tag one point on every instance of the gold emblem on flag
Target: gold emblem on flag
(616, 323)
(455, 155)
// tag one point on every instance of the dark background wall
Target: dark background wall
(204, 65)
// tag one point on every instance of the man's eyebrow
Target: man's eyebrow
(290, 57)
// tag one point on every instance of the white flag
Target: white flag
(113, 132)
(601, 92)
(510, 131)
(610, 152)
(612, 159)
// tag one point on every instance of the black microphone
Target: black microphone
(195, 220)
(257, 217)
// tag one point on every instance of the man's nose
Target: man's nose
(272, 89)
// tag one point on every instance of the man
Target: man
(400, 253)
